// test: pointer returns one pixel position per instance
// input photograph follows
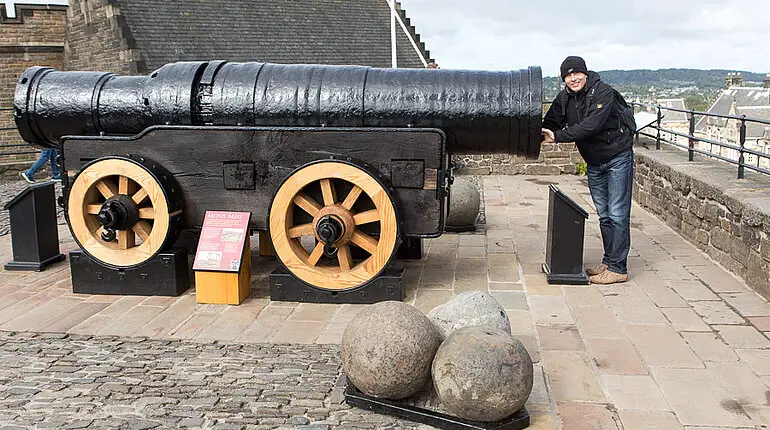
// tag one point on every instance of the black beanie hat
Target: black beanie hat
(573, 64)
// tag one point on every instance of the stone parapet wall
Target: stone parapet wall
(554, 159)
(727, 218)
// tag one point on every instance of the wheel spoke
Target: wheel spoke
(343, 255)
(147, 213)
(350, 200)
(124, 185)
(301, 230)
(143, 229)
(318, 251)
(126, 239)
(327, 188)
(93, 209)
(307, 203)
(366, 217)
(368, 243)
(108, 189)
(139, 197)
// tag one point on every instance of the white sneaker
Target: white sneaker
(27, 178)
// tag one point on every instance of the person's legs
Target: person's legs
(55, 174)
(598, 186)
(45, 155)
(620, 174)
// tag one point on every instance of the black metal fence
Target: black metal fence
(692, 139)
(12, 149)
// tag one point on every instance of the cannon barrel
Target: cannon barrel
(479, 111)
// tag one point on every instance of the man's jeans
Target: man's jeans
(47, 155)
(610, 185)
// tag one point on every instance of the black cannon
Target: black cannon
(328, 159)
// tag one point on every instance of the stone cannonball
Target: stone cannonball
(469, 309)
(464, 203)
(482, 374)
(387, 350)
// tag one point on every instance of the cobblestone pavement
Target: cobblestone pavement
(60, 381)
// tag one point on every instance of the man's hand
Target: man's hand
(548, 136)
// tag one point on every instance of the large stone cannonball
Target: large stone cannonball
(387, 350)
(469, 309)
(482, 374)
(464, 203)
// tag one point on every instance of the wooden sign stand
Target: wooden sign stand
(266, 244)
(221, 285)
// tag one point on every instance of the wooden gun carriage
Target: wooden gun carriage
(338, 163)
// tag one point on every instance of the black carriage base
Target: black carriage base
(166, 274)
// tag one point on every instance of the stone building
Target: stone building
(30, 35)
(138, 36)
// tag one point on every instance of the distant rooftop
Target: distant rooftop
(750, 101)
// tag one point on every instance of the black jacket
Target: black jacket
(596, 129)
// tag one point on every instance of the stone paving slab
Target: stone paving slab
(682, 344)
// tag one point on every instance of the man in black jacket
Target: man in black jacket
(588, 113)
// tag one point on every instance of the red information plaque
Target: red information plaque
(221, 244)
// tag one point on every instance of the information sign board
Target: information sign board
(221, 243)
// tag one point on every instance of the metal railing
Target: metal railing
(692, 139)
(4, 145)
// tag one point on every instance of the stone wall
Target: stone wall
(99, 39)
(554, 159)
(727, 218)
(35, 37)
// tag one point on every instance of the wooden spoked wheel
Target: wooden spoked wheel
(334, 206)
(118, 212)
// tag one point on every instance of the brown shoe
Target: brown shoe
(595, 270)
(608, 277)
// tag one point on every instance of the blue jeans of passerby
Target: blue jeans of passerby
(610, 185)
(46, 156)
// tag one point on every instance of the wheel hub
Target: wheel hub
(117, 213)
(334, 225)
(330, 229)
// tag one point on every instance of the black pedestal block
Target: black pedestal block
(388, 285)
(564, 246)
(166, 274)
(34, 232)
(353, 396)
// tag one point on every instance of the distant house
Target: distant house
(138, 36)
(737, 100)
(674, 120)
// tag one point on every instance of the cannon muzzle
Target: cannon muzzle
(479, 111)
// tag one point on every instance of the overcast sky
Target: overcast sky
(609, 34)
